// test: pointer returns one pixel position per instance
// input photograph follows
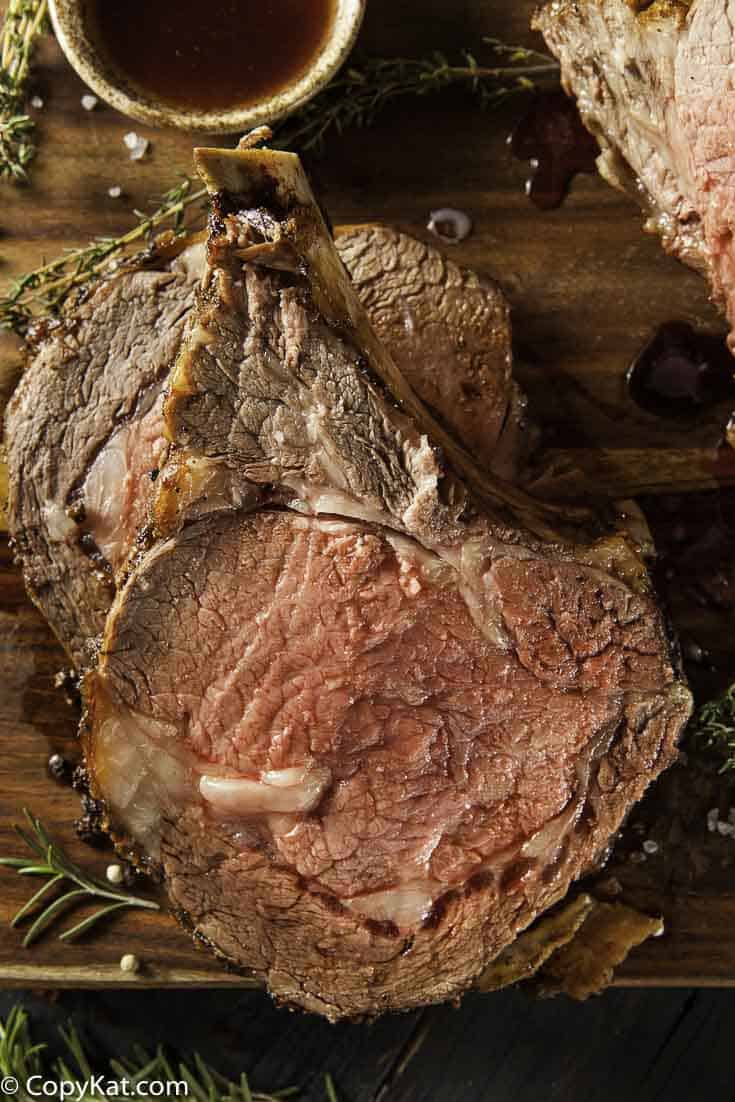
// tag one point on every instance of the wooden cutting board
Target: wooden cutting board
(587, 287)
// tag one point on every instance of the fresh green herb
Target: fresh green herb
(358, 93)
(21, 1058)
(66, 885)
(713, 728)
(24, 21)
(329, 1089)
(47, 288)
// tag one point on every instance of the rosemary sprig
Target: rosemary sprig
(24, 20)
(50, 861)
(21, 1058)
(712, 728)
(329, 1088)
(358, 93)
(46, 288)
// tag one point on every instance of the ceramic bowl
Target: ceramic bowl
(69, 19)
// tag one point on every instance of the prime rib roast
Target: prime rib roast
(366, 706)
(653, 82)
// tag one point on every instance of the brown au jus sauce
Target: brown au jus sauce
(210, 54)
(553, 138)
(680, 371)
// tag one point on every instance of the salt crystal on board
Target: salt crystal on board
(136, 144)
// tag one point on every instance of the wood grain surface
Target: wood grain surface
(587, 288)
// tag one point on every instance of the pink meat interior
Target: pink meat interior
(327, 694)
(117, 488)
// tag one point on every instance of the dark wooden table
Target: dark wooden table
(625, 1046)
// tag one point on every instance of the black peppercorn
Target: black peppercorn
(60, 768)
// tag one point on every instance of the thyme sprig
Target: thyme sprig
(360, 92)
(353, 99)
(713, 729)
(66, 885)
(21, 1058)
(45, 289)
(24, 21)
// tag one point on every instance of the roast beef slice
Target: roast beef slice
(86, 403)
(586, 963)
(448, 332)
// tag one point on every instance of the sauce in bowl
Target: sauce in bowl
(210, 54)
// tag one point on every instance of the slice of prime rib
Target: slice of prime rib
(375, 715)
(448, 332)
(653, 81)
(84, 430)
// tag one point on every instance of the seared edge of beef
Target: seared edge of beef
(89, 376)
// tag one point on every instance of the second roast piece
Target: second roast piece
(373, 720)
(653, 81)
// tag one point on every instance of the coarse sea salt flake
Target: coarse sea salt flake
(136, 144)
(712, 816)
(115, 874)
(115, 191)
(36, 102)
(89, 102)
(649, 846)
